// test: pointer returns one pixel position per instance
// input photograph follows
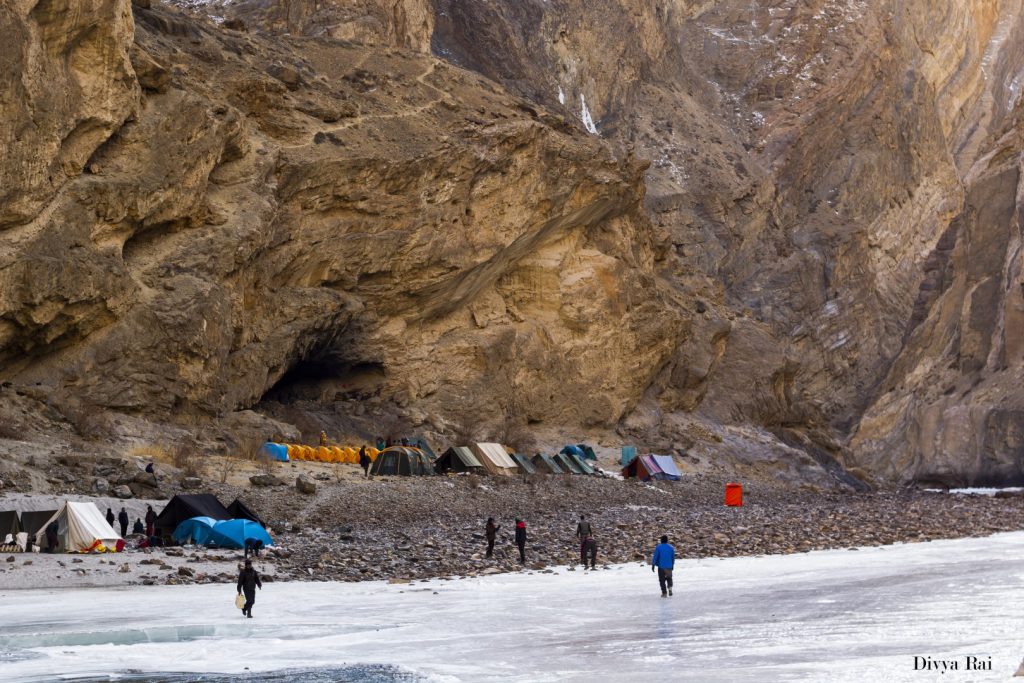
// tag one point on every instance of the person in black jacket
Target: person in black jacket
(150, 520)
(137, 528)
(110, 518)
(248, 581)
(364, 461)
(52, 538)
(122, 519)
(491, 533)
(589, 548)
(521, 539)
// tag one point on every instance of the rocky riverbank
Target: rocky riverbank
(404, 529)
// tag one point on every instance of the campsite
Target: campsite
(418, 521)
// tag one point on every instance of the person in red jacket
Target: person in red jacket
(521, 539)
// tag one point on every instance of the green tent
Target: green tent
(524, 464)
(546, 464)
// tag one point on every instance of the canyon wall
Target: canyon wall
(757, 231)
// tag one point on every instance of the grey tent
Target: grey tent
(567, 463)
(458, 459)
(10, 523)
(546, 464)
(403, 461)
(240, 510)
(525, 466)
(32, 521)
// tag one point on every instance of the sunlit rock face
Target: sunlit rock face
(750, 229)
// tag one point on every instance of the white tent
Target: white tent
(495, 458)
(81, 527)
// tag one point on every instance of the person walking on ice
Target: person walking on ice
(664, 559)
(248, 581)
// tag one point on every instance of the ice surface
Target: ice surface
(823, 616)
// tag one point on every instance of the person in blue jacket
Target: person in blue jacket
(664, 559)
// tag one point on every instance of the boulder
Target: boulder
(100, 486)
(304, 484)
(264, 480)
(123, 491)
(191, 482)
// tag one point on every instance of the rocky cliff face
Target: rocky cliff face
(441, 208)
(814, 164)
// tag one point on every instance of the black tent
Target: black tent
(240, 510)
(32, 521)
(402, 461)
(184, 507)
(9, 524)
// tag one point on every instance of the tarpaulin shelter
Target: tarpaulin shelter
(240, 510)
(525, 466)
(567, 463)
(581, 451)
(187, 506)
(196, 530)
(233, 532)
(10, 523)
(628, 453)
(495, 459)
(646, 467)
(403, 461)
(458, 459)
(275, 451)
(546, 464)
(81, 528)
(573, 450)
(32, 521)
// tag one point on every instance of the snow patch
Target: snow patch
(978, 491)
(586, 118)
(561, 95)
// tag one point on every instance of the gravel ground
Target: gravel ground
(402, 529)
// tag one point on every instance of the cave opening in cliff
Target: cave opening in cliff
(326, 379)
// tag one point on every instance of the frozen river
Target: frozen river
(825, 616)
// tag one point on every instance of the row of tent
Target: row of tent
(81, 527)
(285, 452)
(481, 458)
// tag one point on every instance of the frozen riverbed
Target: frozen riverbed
(823, 616)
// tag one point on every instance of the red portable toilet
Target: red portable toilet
(734, 495)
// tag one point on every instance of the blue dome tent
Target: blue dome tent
(195, 530)
(233, 532)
